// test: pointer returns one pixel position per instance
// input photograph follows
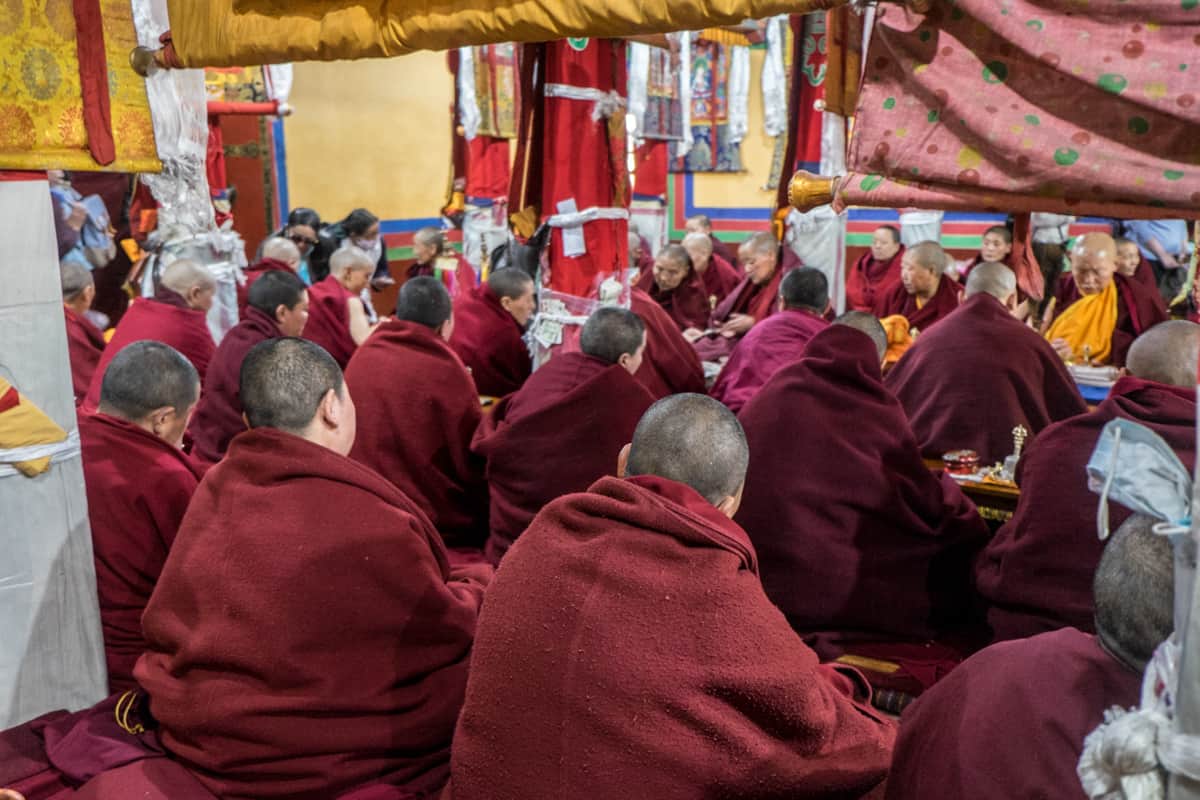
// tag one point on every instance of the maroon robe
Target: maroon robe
(1144, 274)
(759, 300)
(720, 278)
(870, 278)
(164, 318)
(307, 636)
(253, 273)
(218, 416)
(723, 250)
(638, 658)
(423, 412)
(687, 304)
(329, 319)
(85, 346)
(897, 300)
(768, 347)
(558, 434)
(977, 375)
(138, 488)
(1010, 721)
(1036, 573)
(488, 340)
(837, 492)
(1138, 310)
(669, 363)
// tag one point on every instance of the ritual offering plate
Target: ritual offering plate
(961, 462)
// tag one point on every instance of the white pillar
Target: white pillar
(51, 648)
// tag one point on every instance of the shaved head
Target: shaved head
(146, 376)
(1134, 591)
(692, 439)
(1167, 353)
(699, 243)
(182, 275)
(868, 324)
(509, 282)
(761, 242)
(423, 300)
(994, 278)
(929, 255)
(283, 382)
(350, 259)
(611, 333)
(805, 288)
(282, 249)
(1095, 244)
(75, 278)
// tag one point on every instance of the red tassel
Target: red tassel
(93, 80)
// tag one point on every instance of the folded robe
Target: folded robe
(253, 273)
(680, 678)
(558, 434)
(759, 300)
(837, 492)
(977, 375)
(164, 318)
(687, 304)
(329, 319)
(138, 488)
(307, 635)
(488, 340)
(1138, 310)
(897, 300)
(1010, 721)
(218, 415)
(1036, 574)
(423, 411)
(85, 346)
(720, 278)
(765, 349)
(669, 363)
(870, 278)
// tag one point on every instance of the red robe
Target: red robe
(758, 300)
(218, 416)
(138, 488)
(167, 319)
(329, 319)
(837, 492)
(897, 300)
(1036, 573)
(488, 340)
(977, 375)
(561, 432)
(638, 657)
(669, 364)
(307, 636)
(720, 278)
(85, 346)
(764, 350)
(418, 432)
(1010, 721)
(687, 303)
(1138, 310)
(870, 278)
(723, 250)
(459, 284)
(253, 273)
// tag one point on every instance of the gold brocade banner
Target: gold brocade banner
(41, 109)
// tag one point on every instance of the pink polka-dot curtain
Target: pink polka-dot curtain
(1085, 107)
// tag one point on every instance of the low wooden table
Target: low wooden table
(996, 502)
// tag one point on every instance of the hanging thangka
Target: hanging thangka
(663, 118)
(494, 95)
(719, 84)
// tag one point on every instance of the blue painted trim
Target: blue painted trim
(408, 225)
(281, 176)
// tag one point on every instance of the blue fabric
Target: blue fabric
(1171, 234)
(1093, 394)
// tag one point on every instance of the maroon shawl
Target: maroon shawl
(720, 278)
(837, 492)
(1010, 721)
(638, 657)
(1036, 574)
(764, 350)
(558, 434)
(1144, 274)
(138, 488)
(669, 364)
(687, 304)
(970, 380)
(1138, 310)
(897, 300)
(418, 431)
(870, 278)
(172, 323)
(85, 346)
(723, 250)
(759, 300)
(307, 635)
(329, 319)
(218, 416)
(488, 340)
(253, 273)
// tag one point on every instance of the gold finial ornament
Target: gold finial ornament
(807, 191)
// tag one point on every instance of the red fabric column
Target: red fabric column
(651, 162)
(93, 80)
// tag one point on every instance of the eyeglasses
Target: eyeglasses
(298, 239)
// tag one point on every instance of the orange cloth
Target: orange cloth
(22, 424)
(1087, 324)
(899, 336)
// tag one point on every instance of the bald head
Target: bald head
(191, 281)
(929, 255)
(1133, 591)
(696, 441)
(1167, 353)
(510, 282)
(805, 288)
(611, 333)
(146, 376)
(994, 278)
(1093, 262)
(698, 243)
(283, 382)
(424, 300)
(75, 278)
(282, 249)
(868, 324)
(350, 259)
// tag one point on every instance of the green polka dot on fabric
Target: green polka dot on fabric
(1034, 24)
(916, 171)
(1173, 174)
(1183, 67)
(890, 103)
(1032, 119)
(1188, 5)
(1065, 156)
(997, 71)
(870, 182)
(956, 14)
(1112, 82)
(1139, 125)
(925, 36)
(932, 116)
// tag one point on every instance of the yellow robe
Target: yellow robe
(1087, 326)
